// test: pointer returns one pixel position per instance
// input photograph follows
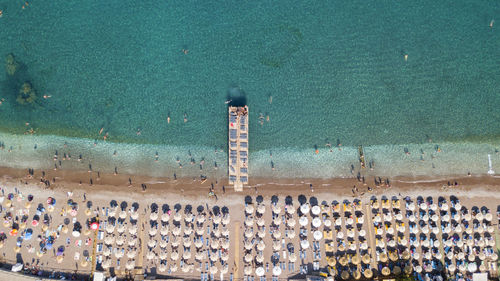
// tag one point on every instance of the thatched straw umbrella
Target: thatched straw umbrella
(383, 257)
(84, 263)
(386, 271)
(344, 275)
(368, 273)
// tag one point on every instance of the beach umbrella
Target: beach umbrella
(120, 240)
(392, 243)
(248, 258)
(200, 218)
(304, 244)
(396, 270)
(151, 243)
(482, 256)
(188, 231)
(176, 231)
(425, 217)
(416, 256)
(468, 217)
(423, 206)
(118, 254)
(488, 216)
(121, 228)
(291, 222)
(261, 222)
(107, 251)
(261, 209)
(261, 233)
(331, 261)
(248, 270)
(316, 222)
(343, 260)
(276, 209)
(383, 257)
(471, 257)
(399, 217)
(249, 221)
(393, 256)
(362, 233)
(344, 275)
(356, 274)
(276, 245)
(338, 221)
(174, 255)
(217, 219)
(352, 246)
(386, 271)
(290, 209)
(173, 268)
(304, 208)
(446, 218)
(186, 255)
(189, 218)
(165, 217)
(291, 234)
(249, 209)
(276, 271)
(303, 221)
(356, 259)
(380, 231)
(249, 232)
(494, 257)
(340, 235)
(153, 231)
(131, 254)
(214, 244)
(472, 267)
(293, 257)
(328, 223)
(390, 230)
(177, 217)
(406, 255)
(199, 230)
(175, 242)
(341, 248)
(387, 217)
(213, 258)
(162, 267)
(259, 271)
(316, 210)
(130, 264)
(260, 258)
(277, 234)
(427, 256)
(261, 245)
(276, 221)
(109, 240)
(317, 235)
(248, 245)
(408, 269)
(433, 207)
(418, 269)
(366, 259)
(163, 243)
(368, 273)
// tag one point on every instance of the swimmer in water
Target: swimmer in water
(46, 96)
(270, 99)
(228, 101)
(156, 157)
(185, 117)
(168, 119)
(406, 57)
(491, 23)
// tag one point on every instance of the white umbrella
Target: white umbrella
(328, 223)
(276, 209)
(276, 245)
(362, 232)
(303, 221)
(248, 258)
(377, 218)
(292, 257)
(249, 232)
(165, 217)
(488, 217)
(338, 221)
(316, 222)
(446, 218)
(411, 206)
(121, 228)
(177, 217)
(200, 218)
(304, 208)
(399, 217)
(425, 217)
(261, 209)
(276, 221)
(291, 222)
(444, 207)
(120, 240)
(151, 243)
(472, 267)
(479, 217)
(153, 216)
(153, 231)
(276, 271)
(290, 210)
(259, 271)
(123, 214)
(132, 230)
(304, 244)
(248, 270)
(164, 230)
(340, 235)
(434, 218)
(226, 219)
(174, 256)
(186, 255)
(452, 268)
(316, 210)
(277, 234)
(249, 209)
(423, 206)
(217, 219)
(150, 255)
(163, 244)
(261, 246)
(364, 246)
(317, 235)
(189, 218)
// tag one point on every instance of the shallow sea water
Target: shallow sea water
(334, 69)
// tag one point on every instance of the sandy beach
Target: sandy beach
(181, 193)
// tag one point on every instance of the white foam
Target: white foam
(390, 160)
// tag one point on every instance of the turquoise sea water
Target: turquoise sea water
(334, 69)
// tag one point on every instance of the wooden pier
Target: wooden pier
(238, 147)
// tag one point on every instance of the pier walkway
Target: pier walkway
(238, 147)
